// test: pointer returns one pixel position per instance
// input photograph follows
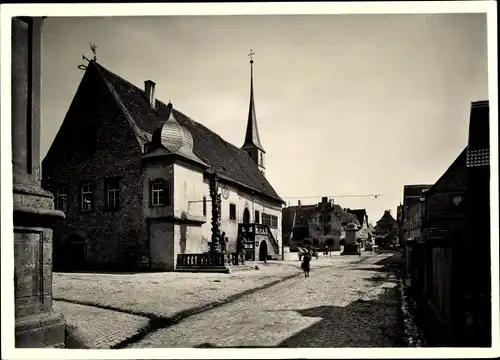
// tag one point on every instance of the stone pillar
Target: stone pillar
(350, 245)
(36, 323)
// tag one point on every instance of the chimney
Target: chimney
(299, 203)
(149, 89)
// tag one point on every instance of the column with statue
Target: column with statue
(216, 215)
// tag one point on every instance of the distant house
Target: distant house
(132, 175)
(387, 226)
(323, 223)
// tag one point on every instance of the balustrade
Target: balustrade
(203, 260)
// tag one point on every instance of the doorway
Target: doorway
(76, 253)
(246, 216)
(263, 251)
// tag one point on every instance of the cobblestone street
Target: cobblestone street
(347, 305)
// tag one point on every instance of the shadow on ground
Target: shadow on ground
(360, 324)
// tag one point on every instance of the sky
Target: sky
(346, 104)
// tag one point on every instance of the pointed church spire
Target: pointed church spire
(252, 134)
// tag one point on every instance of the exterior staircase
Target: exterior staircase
(254, 235)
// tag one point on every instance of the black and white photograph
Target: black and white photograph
(224, 180)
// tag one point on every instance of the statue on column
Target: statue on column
(216, 214)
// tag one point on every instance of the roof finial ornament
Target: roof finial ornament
(93, 48)
(252, 53)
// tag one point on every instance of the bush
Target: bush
(329, 242)
(306, 242)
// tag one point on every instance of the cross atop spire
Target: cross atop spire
(252, 138)
(252, 53)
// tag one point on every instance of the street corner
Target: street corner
(89, 327)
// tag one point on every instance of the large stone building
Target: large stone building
(132, 175)
(323, 223)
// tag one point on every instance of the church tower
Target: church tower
(252, 143)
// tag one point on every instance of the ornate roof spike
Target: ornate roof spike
(93, 48)
(252, 134)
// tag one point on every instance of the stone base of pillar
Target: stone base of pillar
(350, 249)
(41, 331)
(37, 325)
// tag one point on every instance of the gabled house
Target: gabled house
(132, 175)
(387, 226)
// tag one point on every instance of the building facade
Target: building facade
(443, 223)
(411, 197)
(451, 266)
(322, 223)
(132, 175)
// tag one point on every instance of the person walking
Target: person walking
(306, 264)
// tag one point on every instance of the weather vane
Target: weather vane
(252, 53)
(93, 48)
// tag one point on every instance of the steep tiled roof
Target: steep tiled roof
(387, 219)
(459, 161)
(345, 216)
(413, 193)
(230, 162)
(304, 214)
(360, 215)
